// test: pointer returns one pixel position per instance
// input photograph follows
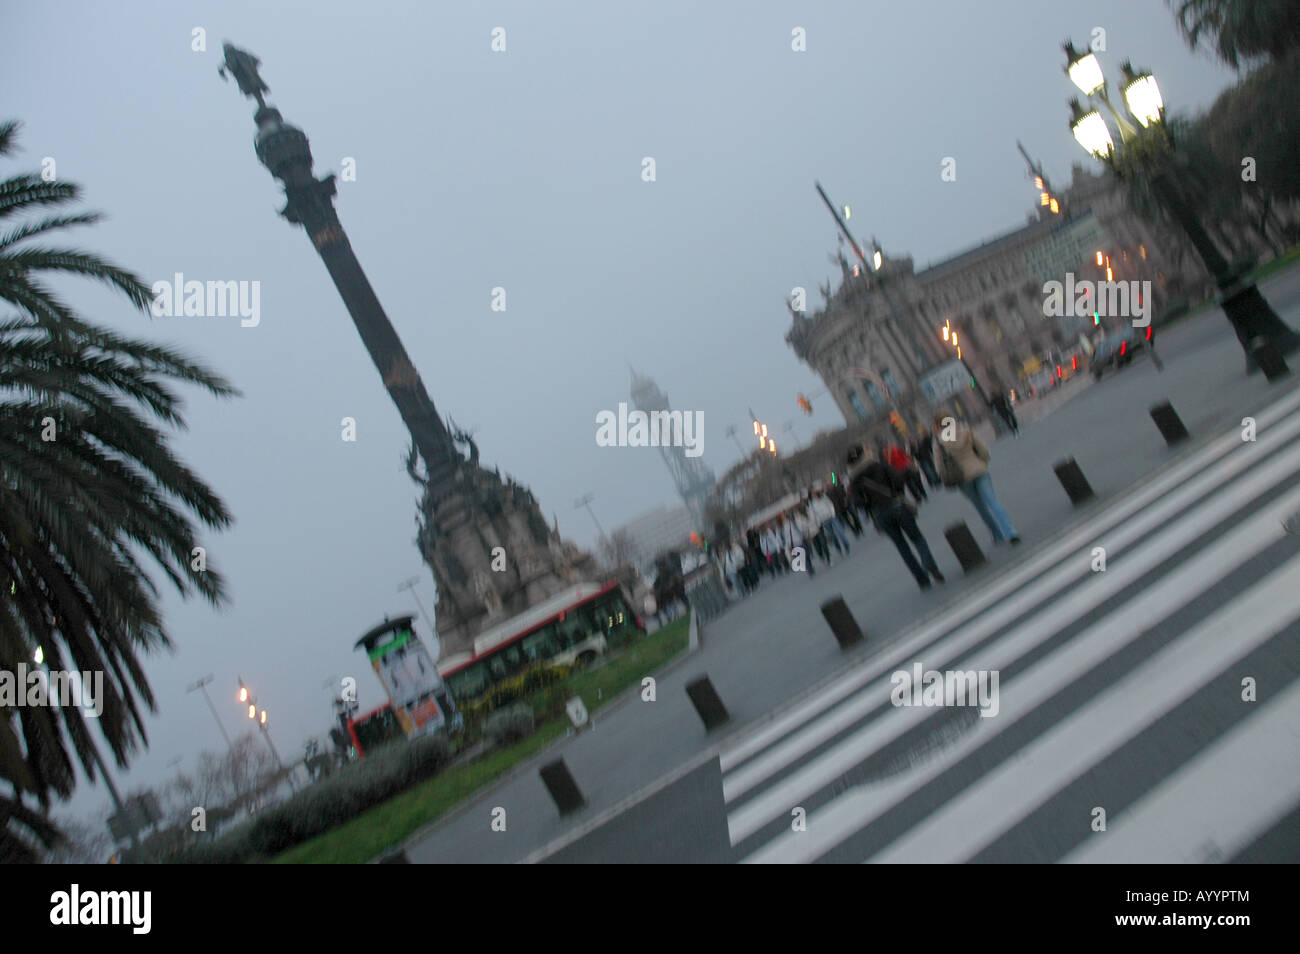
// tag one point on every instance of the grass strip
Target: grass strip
(373, 832)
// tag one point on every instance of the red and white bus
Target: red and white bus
(374, 729)
(572, 627)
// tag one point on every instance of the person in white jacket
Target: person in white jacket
(831, 529)
(771, 544)
(732, 561)
(801, 535)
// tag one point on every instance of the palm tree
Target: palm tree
(89, 494)
(1240, 30)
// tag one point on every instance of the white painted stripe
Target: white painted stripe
(1039, 683)
(992, 806)
(1228, 796)
(1014, 583)
(1082, 598)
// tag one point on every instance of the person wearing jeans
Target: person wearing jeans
(880, 488)
(980, 493)
(962, 461)
(834, 532)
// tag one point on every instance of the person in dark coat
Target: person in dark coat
(1002, 406)
(880, 490)
(923, 454)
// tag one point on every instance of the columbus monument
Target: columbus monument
(492, 553)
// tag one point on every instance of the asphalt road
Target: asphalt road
(651, 774)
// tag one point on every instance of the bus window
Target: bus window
(539, 645)
(469, 682)
(513, 656)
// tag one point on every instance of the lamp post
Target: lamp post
(951, 336)
(585, 501)
(410, 585)
(918, 358)
(255, 712)
(1147, 151)
(202, 685)
(731, 432)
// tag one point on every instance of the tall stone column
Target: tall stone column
(467, 512)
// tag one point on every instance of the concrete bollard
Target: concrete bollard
(964, 547)
(564, 790)
(840, 620)
(1269, 358)
(1072, 479)
(707, 703)
(1170, 424)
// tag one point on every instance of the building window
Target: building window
(890, 383)
(857, 406)
(873, 392)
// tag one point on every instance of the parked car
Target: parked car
(1118, 350)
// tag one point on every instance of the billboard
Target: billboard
(409, 676)
(945, 381)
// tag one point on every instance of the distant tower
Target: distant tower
(694, 480)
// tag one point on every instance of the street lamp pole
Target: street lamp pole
(259, 713)
(917, 357)
(585, 501)
(731, 432)
(202, 684)
(1258, 327)
(410, 585)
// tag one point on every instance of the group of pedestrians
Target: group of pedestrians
(789, 542)
(879, 482)
(957, 459)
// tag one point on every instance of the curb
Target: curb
(615, 703)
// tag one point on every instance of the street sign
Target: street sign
(945, 381)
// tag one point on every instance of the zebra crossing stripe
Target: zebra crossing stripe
(1152, 552)
(1188, 480)
(1218, 803)
(854, 811)
(994, 804)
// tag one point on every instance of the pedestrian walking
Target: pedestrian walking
(1004, 410)
(816, 526)
(902, 462)
(962, 461)
(923, 454)
(733, 561)
(832, 530)
(771, 550)
(881, 490)
(844, 511)
(800, 535)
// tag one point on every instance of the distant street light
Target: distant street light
(246, 696)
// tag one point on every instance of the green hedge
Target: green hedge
(330, 802)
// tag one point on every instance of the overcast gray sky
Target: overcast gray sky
(519, 169)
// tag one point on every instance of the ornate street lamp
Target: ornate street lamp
(1263, 335)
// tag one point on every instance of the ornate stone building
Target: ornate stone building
(877, 335)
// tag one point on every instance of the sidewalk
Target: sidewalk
(774, 646)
